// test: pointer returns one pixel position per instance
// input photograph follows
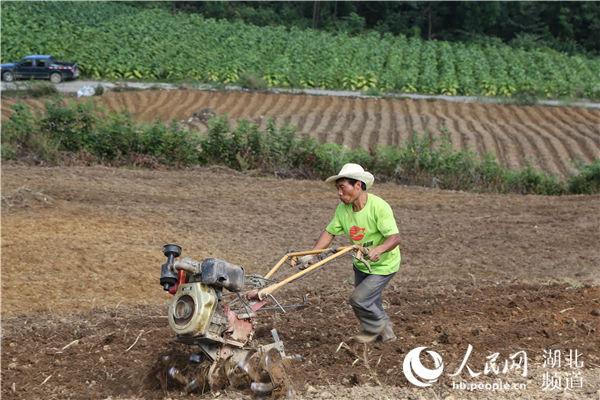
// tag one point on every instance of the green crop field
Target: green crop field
(112, 40)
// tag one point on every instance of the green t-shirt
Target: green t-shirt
(374, 223)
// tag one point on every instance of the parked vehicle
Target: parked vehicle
(39, 67)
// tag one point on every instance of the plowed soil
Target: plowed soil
(548, 138)
(83, 315)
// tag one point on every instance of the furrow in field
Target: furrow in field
(301, 121)
(159, 103)
(424, 116)
(109, 100)
(550, 115)
(469, 138)
(254, 103)
(451, 111)
(414, 121)
(553, 154)
(361, 137)
(203, 100)
(543, 153)
(562, 142)
(129, 102)
(261, 115)
(509, 140)
(115, 102)
(441, 120)
(142, 104)
(583, 115)
(278, 109)
(228, 103)
(331, 116)
(379, 136)
(209, 100)
(516, 151)
(474, 128)
(355, 135)
(305, 115)
(387, 124)
(343, 121)
(314, 113)
(499, 135)
(577, 137)
(480, 123)
(402, 121)
(337, 120)
(267, 106)
(238, 108)
(320, 119)
(281, 105)
(526, 142)
(293, 110)
(589, 130)
(580, 137)
(186, 106)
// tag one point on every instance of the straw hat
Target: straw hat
(353, 171)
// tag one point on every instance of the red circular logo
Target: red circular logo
(357, 233)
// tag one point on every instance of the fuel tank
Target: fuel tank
(220, 273)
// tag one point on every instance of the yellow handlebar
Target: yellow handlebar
(338, 252)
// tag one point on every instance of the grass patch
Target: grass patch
(252, 81)
(124, 87)
(373, 91)
(31, 89)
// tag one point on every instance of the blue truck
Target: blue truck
(39, 67)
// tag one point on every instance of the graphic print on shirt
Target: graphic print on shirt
(357, 233)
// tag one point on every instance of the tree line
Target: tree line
(572, 27)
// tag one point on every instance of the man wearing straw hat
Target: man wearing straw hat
(367, 220)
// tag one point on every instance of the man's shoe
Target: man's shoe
(368, 337)
(388, 334)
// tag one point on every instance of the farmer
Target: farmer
(367, 220)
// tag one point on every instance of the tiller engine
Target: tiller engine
(222, 323)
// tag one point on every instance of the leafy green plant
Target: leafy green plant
(524, 97)
(587, 181)
(99, 90)
(373, 91)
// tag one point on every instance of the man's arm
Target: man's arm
(388, 244)
(324, 240)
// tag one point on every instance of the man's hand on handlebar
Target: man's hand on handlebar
(374, 254)
(306, 261)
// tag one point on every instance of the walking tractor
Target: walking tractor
(214, 308)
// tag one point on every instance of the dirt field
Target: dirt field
(83, 315)
(548, 137)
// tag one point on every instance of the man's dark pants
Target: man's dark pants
(367, 301)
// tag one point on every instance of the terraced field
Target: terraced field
(548, 137)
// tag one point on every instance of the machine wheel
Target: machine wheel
(8, 76)
(56, 77)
